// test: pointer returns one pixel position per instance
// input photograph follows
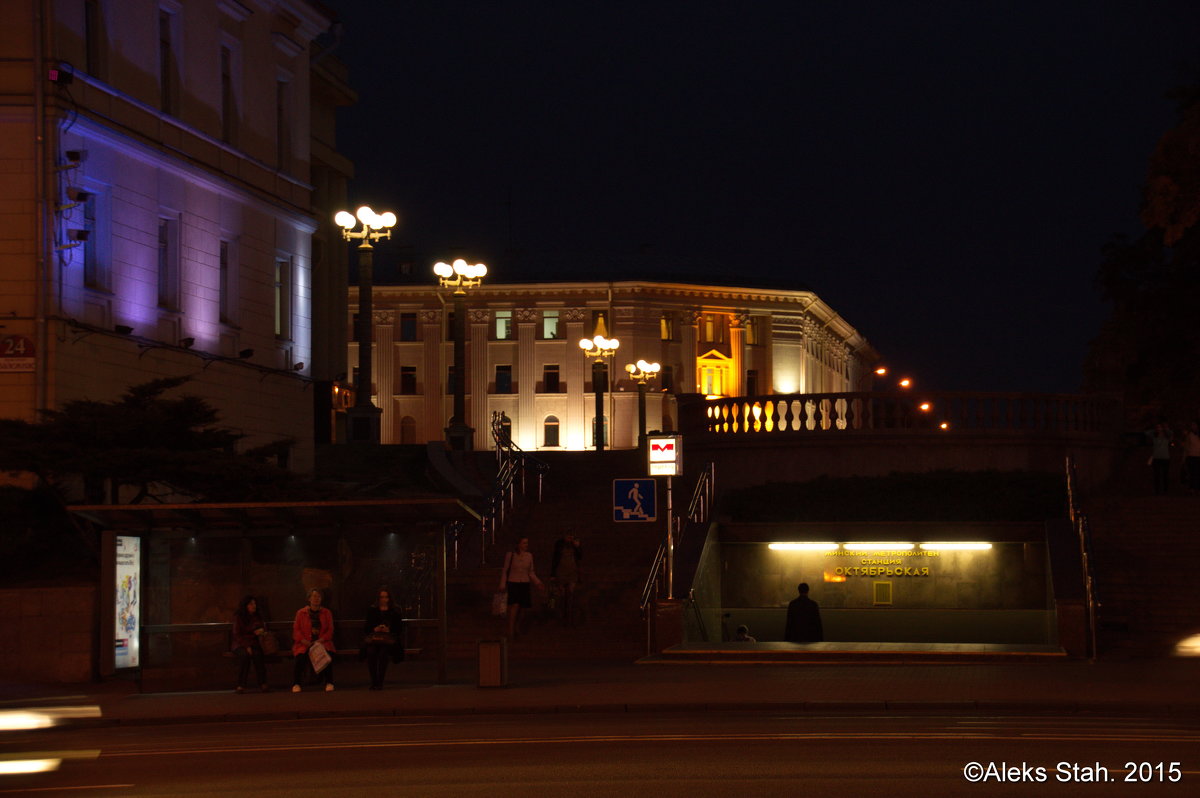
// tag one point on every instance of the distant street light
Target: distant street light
(460, 276)
(600, 348)
(362, 420)
(642, 373)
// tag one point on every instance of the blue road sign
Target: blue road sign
(633, 500)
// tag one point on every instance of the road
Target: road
(624, 754)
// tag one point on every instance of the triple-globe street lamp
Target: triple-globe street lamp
(641, 373)
(460, 276)
(362, 419)
(599, 348)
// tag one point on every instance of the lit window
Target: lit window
(550, 328)
(504, 325)
(666, 327)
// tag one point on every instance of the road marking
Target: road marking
(816, 736)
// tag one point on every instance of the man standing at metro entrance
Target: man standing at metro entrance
(803, 619)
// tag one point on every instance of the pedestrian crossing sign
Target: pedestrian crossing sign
(634, 500)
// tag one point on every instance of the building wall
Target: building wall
(210, 177)
(790, 340)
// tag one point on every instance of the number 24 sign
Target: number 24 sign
(16, 353)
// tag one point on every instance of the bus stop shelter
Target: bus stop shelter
(172, 574)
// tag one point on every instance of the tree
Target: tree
(141, 446)
(1149, 347)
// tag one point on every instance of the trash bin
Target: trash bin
(493, 662)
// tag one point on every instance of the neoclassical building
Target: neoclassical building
(524, 358)
(168, 166)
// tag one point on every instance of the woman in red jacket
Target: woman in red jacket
(313, 624)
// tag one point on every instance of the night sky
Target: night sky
(943, 174)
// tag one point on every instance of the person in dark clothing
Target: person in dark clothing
(384, 631)
(248, 629)
(803, 619)
(564, 568)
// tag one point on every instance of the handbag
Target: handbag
(268, 642)
(500, 602)
(381, 638)
(318, 656)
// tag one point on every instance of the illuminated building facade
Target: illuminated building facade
(164, 163)
(524, 359)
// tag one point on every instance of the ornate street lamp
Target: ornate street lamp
(642, 373)
(600, 348)
(362, 420)
(460, 276)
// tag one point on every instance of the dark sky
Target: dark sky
(943, 174)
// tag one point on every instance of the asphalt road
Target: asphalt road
(627, 754)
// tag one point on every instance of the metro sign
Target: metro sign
(664, 455)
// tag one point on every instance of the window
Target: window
(229, 111)
(666, 328)
(751, 382)
(550, 379)
(603, 429)
(667, 379)
(95, 266)
(550, 328)
(504, 328)
(168, 62)
(408, 430)
(168, 264)
(754, 331)
(224, 297)
(408, 380)
(283, 297)
(408, 326)
(714, 328)
(503, 379)
(600, 324)
(283, 125)
(550, 431)
(94, 38)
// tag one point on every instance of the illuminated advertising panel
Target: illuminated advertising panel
(128, 605)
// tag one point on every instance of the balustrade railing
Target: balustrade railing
(906, 413)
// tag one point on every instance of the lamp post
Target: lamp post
(642, 373)
(460, 276)
(599, 347)
(362, 420)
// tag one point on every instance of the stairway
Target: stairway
(1147, 558)
(577, 495)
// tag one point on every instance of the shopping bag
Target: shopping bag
(269, 642)
(500, 602)
(318, 656)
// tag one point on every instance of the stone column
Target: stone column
(478, 378)
(737, 352)
(575, 432)
(525, 425)
(689, 335)
(432, 424)
(384, 368)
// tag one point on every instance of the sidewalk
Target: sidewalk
(1159, 688)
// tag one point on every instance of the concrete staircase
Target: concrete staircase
(1147, 551)
(577, 495)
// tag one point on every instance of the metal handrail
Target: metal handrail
(1083, 530)
(512, 463)
(699, 511)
